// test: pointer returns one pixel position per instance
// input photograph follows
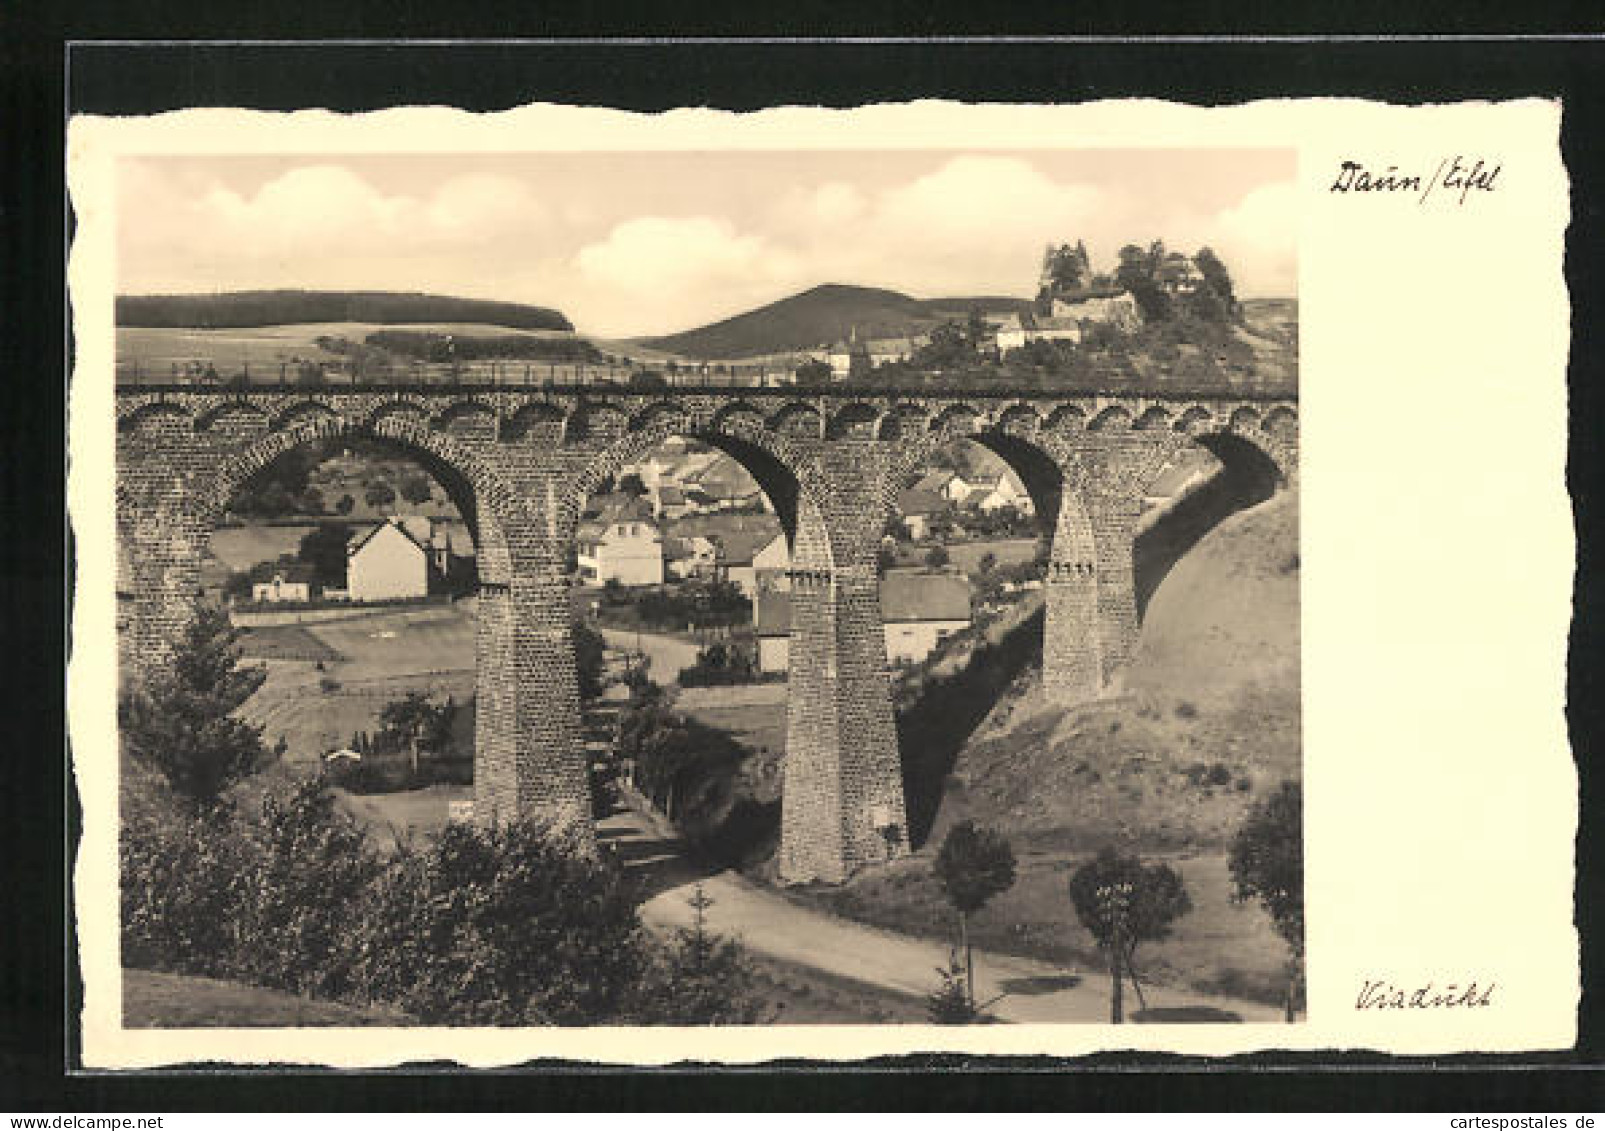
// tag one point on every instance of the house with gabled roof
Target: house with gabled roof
(919, 609)
(397, 560)
(623, 545)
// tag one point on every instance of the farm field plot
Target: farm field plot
(437, 638)
(270, 345)
(284, 642)
(382, 657)
(1008, 551)
(754, 716)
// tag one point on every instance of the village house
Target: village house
(690, 557)
(397, 560)
(919, 608)
(1008, 493)
(887, 351)
(727, 484)
(919, 506)
(950, 485)
(623, 546)
(1009, 333)
(1054, 328)
(754, 561)
(274, 582)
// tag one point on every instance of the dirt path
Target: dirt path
(667, 653)
(1024, 989)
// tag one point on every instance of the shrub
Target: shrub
(314, 865)
(502, 926)
(180, 880)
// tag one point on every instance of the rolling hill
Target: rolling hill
(1209, 721)
(821, 315)
(236, 309)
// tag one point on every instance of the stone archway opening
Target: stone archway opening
(351, 560)
(686, 541)
(1204, 483)
(977, 518)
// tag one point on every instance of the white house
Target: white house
(389, 562)
(754, 560)
(695, 556)
(287, 583)
(918, 607)
(950, 485)
(1010, 333)
(1008, 493)
(625, 547)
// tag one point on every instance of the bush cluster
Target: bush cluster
(503, 926)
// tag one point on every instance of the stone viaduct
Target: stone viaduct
(521, 463)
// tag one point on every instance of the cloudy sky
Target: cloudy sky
(646, 243)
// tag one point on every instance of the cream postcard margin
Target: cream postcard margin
(1437, 555)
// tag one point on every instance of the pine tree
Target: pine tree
(182, 720)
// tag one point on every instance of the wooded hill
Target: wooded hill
(236, 309)
(822, 315)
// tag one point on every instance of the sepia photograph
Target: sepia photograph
(767, 587)
(813, 585)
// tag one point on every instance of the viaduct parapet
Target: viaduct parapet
(520, 464)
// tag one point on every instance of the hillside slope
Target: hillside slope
(1209, 723)
(271, 308)
(822, 315)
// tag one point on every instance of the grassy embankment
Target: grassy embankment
(1209, 723)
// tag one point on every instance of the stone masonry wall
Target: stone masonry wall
(524, 461)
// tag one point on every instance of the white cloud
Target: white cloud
(1256, 239)
(656, 255)
(310, 226)
(621, 257)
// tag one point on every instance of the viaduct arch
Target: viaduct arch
(520, 463)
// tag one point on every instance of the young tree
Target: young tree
(182, 720)
(589, 655)
(814, 373)
(324, 549)
(415, 489)
(1267, 864)
(344, 504)
(973, 865)
(703, 978)
(414, 721)
(632, 485)
(1122, 903)
(938, 557)
(380, 494)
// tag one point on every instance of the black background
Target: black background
(41, 80)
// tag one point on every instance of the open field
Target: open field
(382, 656)
(754, 714)
(270, 345)
(794, 995)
